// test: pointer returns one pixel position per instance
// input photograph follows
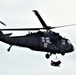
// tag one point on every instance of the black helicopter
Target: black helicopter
(45, 41)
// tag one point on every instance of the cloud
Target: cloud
(8, 2)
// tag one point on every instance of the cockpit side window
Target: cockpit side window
(63, 42)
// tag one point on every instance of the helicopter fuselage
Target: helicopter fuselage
(41, 41)
(46, 41)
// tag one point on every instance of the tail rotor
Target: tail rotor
(2, 23)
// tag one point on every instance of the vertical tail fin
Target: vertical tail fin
(1, 33)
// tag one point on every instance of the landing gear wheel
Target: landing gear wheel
(62, 54)
(47, 56)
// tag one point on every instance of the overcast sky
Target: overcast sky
(23, 61)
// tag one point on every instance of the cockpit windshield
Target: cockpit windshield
(68, 41)
(65, 41)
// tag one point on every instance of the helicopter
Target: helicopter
(43, 41)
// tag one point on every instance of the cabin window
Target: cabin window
(43, 39)
(47, 40)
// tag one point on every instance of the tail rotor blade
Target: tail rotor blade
(2, 23)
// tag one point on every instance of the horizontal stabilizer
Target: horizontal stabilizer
(9, 34)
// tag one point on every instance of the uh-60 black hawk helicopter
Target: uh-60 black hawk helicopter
(45, 41)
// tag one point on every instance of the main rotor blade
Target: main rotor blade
(26, 29)
(62, 26)
(21, 29)
(40, 19)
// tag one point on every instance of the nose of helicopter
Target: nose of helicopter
(71, 48)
